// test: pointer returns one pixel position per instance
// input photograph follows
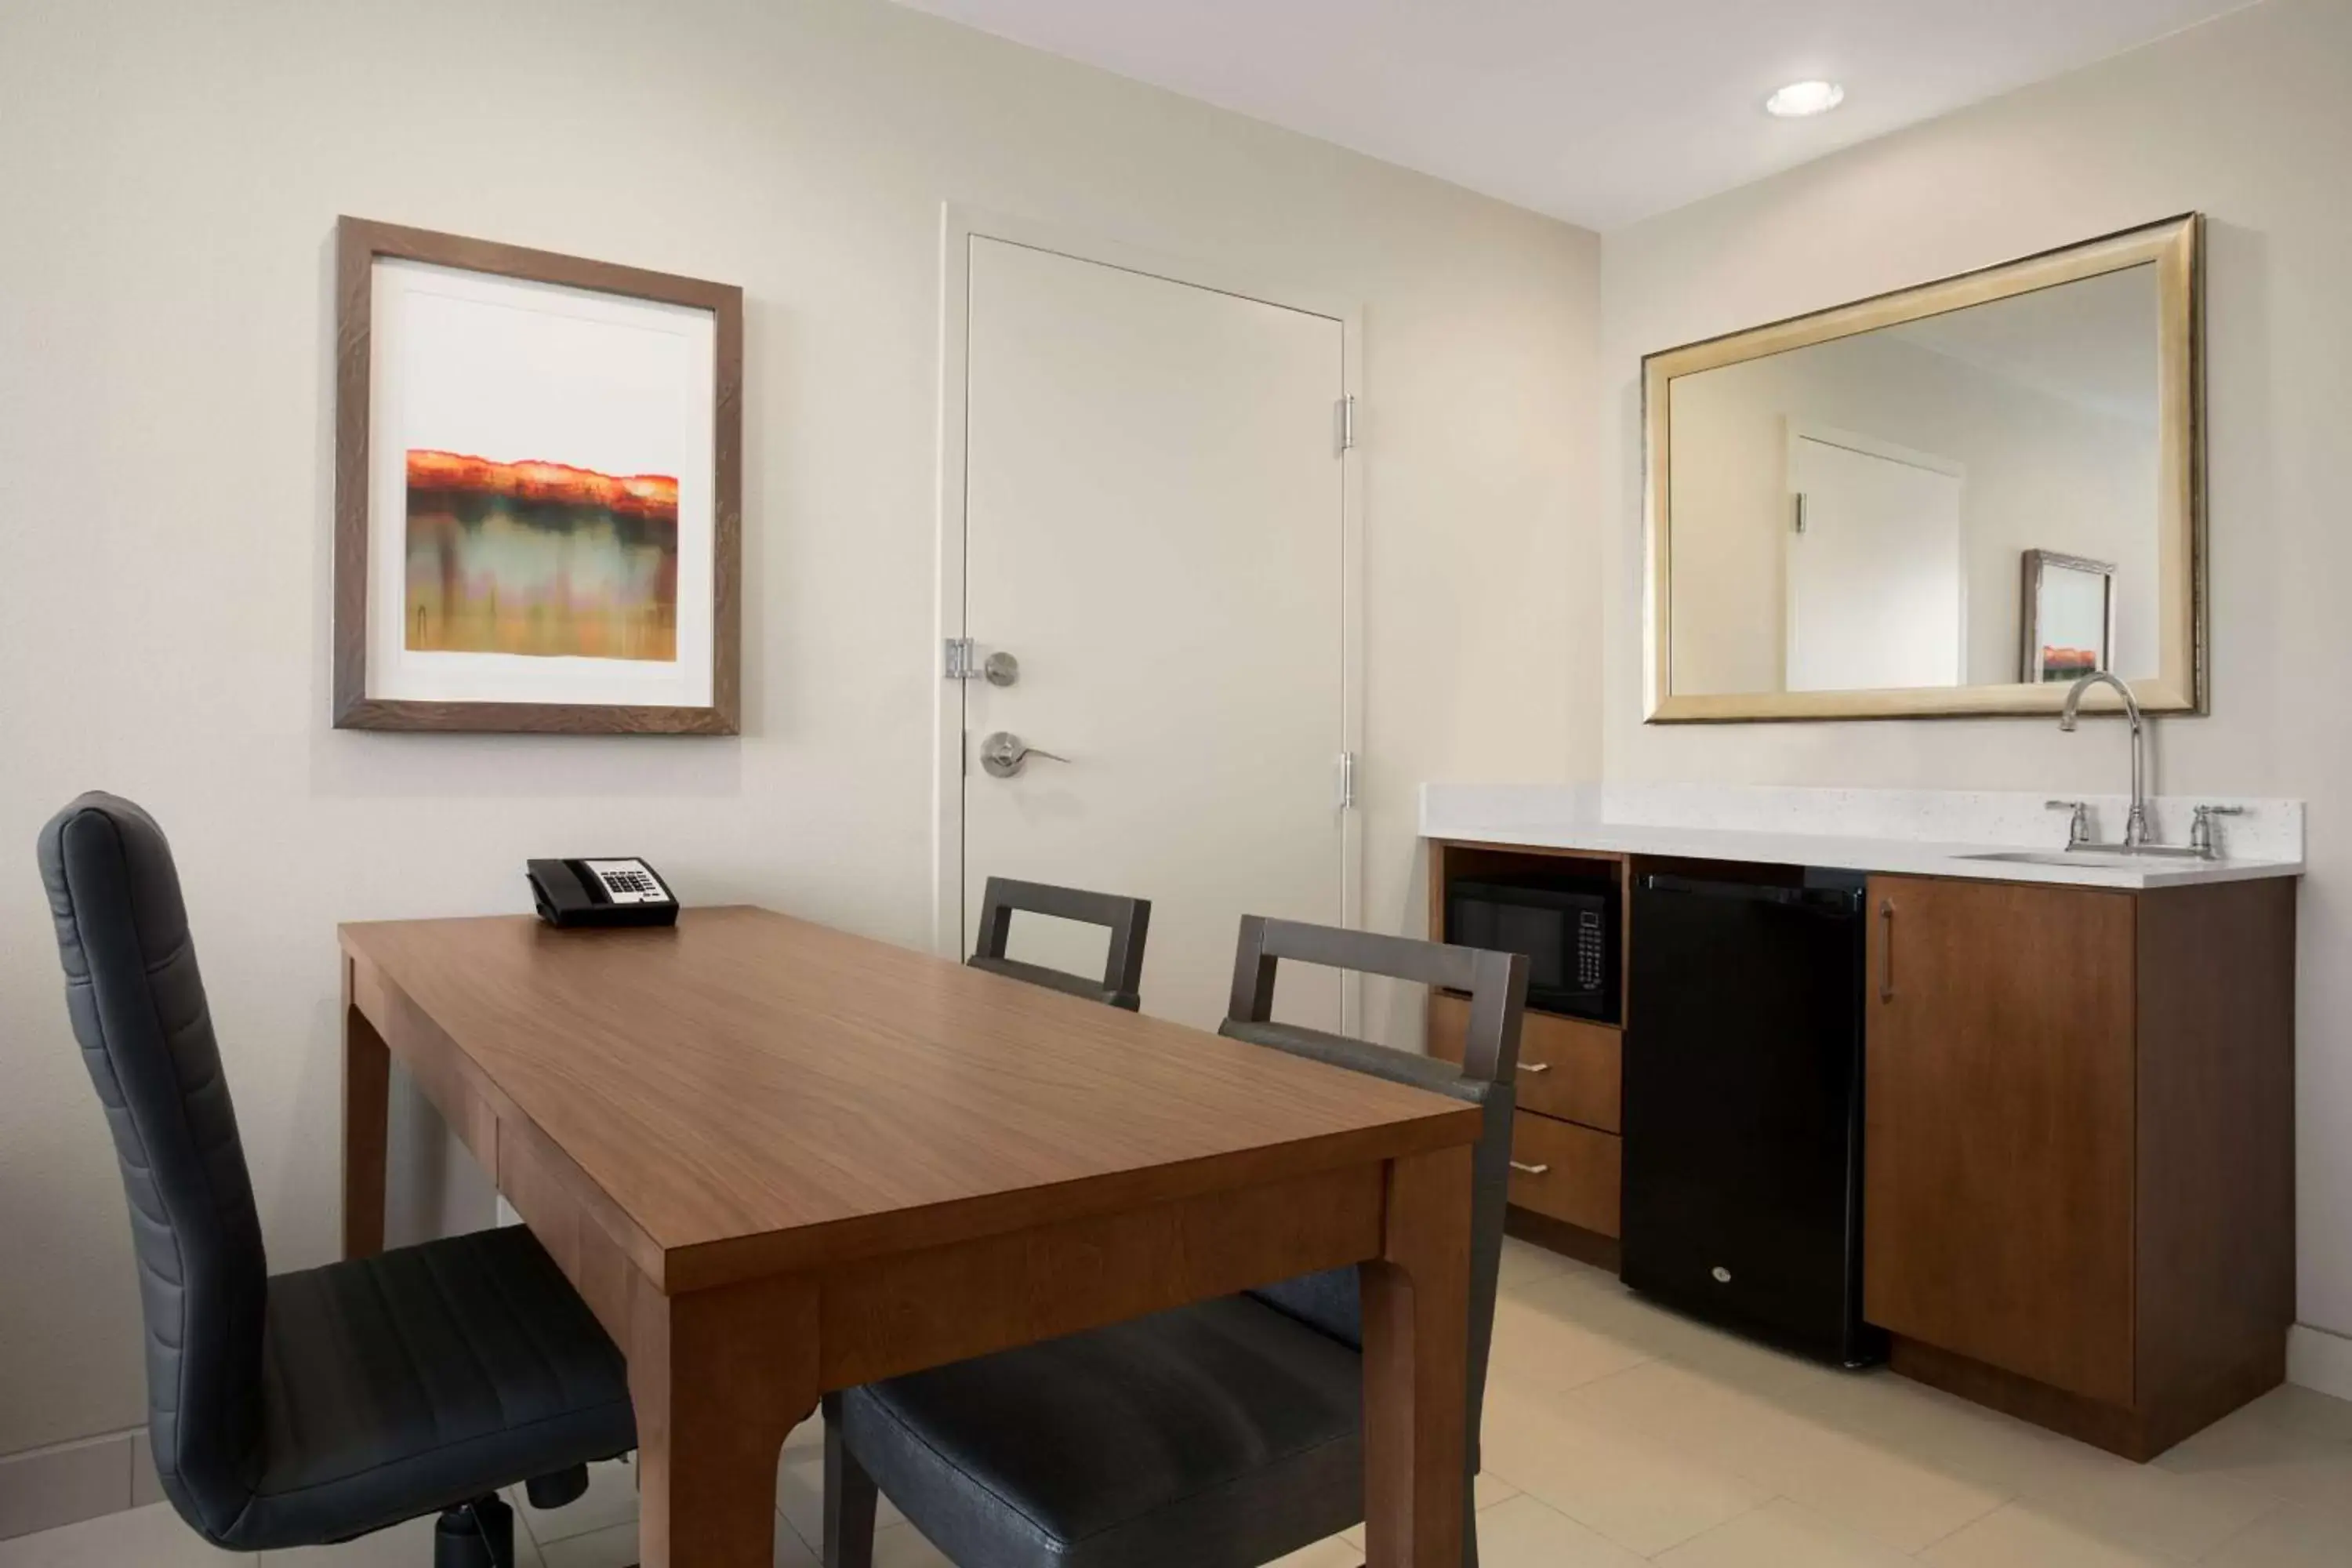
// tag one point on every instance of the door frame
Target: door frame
(959, 224)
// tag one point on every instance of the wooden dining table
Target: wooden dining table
(779, 1159)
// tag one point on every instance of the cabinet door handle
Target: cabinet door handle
(1887, 950)
(1526, 1170)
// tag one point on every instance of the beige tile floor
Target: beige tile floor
(1618, 1433)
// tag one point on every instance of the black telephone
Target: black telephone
(615, 892)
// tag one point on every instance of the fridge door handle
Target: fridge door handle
(1887, 950)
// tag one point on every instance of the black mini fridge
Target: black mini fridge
(1743, 1106)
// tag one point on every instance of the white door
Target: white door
(1154, 529)
(1876, 591)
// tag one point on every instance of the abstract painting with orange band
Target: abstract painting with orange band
(540, 558)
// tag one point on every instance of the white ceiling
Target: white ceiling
(1599, 111)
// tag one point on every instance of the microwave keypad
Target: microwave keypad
(1592, 951)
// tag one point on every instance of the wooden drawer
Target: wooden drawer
(1568, 1172)
(1568, 1067)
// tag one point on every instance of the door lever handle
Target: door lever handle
(1004, 753)
(1526, 1170)
(1535, 1067)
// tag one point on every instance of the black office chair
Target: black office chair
(306, 1409)
(1221, 1435)
(1128, 920)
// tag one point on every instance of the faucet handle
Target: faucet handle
(2078, 824)
(2201, 828)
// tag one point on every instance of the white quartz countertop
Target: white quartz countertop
(1782, 828)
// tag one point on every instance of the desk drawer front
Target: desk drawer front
(1568, 1069)
(1568, 1172)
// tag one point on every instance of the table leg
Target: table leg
(719, 1378)
(367, 1110)
(1416, 1300)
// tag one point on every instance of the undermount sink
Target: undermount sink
(2107, 859)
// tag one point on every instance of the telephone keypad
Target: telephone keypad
(628, 882)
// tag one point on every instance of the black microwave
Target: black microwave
(1567, 931)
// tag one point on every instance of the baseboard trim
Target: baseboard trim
(2319, 1360)
(41, 1488)
(2137, 1433)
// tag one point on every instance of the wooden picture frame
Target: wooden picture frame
(361, 246)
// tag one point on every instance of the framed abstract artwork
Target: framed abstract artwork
(2068, 615)
(537, 490)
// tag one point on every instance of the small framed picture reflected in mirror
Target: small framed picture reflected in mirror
(2068, 617)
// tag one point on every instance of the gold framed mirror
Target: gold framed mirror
(1841, 508)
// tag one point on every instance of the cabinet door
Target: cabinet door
(1997, 1206)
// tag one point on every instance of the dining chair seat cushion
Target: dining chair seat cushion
(1225, 1431)
(398, 1385)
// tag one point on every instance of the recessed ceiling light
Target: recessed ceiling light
(1800, 98)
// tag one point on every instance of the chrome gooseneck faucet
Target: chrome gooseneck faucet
(2136, 824)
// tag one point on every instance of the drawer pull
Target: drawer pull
(1535, 1067)
(1526, 1170)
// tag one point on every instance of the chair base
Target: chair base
(548, 1493)
(476, 1534)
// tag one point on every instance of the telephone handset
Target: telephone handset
(615, 892)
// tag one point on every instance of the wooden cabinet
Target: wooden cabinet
(1998, 1142)
(2078, 1146)
(1569, 1093)
(1565, 1134)
(2078, 1196)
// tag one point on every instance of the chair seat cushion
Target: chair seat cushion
(1224, 1431)
(396, 1385)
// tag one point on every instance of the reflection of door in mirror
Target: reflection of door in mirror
(1876, 593)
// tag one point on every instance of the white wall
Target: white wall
(171, 175)
(2248, 120)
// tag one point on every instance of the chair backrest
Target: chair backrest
(1128, 918)
(1498, 985)
(137, 1009)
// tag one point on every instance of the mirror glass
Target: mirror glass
(1969, 499)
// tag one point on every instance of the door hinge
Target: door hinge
(1348, 423)
(1347, 780)
(961, 661)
